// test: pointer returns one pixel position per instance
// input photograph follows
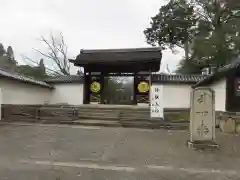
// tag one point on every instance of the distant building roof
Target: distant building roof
(177, 78)
(22, 78)
(65, 79)
(221, 73)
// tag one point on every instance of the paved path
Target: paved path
(75, 152)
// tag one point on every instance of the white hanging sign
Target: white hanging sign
(156, 101)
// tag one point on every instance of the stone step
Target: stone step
(135, 112)
(98, 117)
(135, 115)
(121, 114)
(114, 109)
(113, 116)
(109, 111)
(127, 124)
(135, 118)
(121, 107)
(98, 110)
(99, 113)
(95, 122)
(144, 125)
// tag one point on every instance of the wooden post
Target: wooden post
(150, 85)
(102, 88)
(135, 89)
(85, 88)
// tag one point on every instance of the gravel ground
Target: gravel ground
(76, 152)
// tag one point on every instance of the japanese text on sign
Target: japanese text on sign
(156, 102)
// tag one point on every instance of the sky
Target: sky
(85, 24)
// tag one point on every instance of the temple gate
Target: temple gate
(99, 64)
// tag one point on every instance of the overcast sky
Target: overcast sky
(86, 24)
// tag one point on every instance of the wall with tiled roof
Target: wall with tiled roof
(65, 79)
(23, 79)
(176, 78)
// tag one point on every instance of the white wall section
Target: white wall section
(69, 93)
(16, 92)
(173, 95)
(220, 94)
(176, 95)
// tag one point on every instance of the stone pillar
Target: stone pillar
(202, 119)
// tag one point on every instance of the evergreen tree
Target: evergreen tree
(10, 53)
(208, 31)
(42, 66)
(2, 50)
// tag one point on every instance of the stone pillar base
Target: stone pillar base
(94, 103)
(228, 125)
(202, 145)
(143, 104)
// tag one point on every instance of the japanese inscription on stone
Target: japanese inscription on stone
(156, 101)
(202, 118)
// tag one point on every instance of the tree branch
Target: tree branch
(57, 52)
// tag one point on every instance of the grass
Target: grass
(177, 117)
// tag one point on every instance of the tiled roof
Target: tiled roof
(120, 59)
(179, 78)
(22, 78)
(222, 72)
(116, 55)
(122, 50)
(156, 78)
(65, 79)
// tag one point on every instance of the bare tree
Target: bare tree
(55, 56)
(57, 53)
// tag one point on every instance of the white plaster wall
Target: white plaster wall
(16, 92)
(220, 94)
(70, 93)
(176, 95)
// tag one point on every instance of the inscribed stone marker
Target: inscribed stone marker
(202, 117)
